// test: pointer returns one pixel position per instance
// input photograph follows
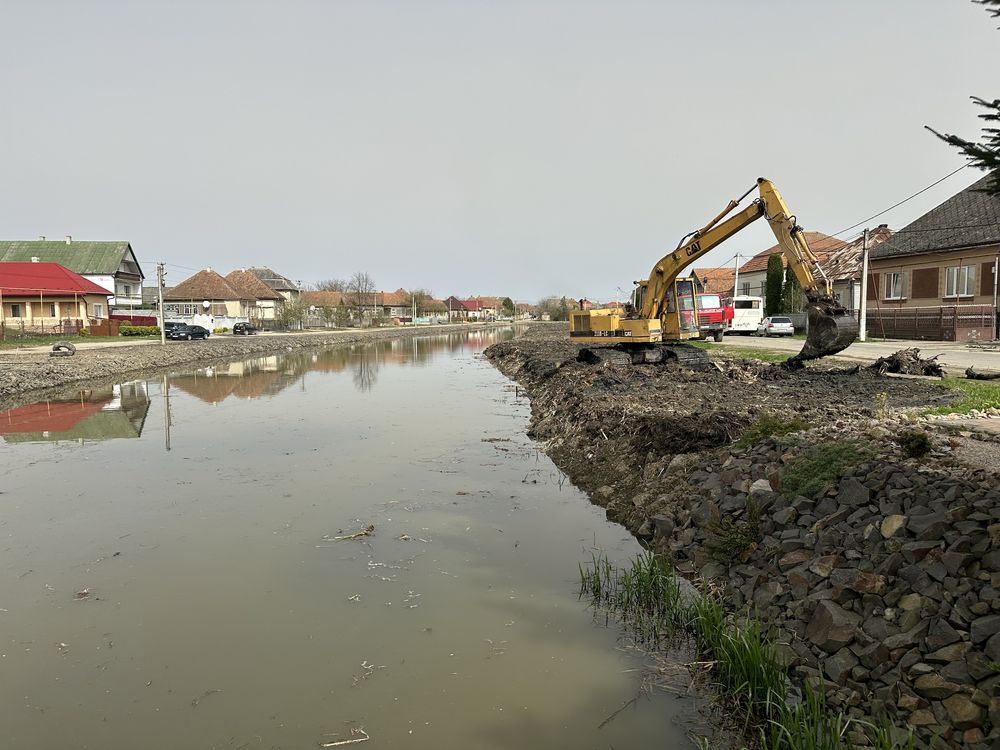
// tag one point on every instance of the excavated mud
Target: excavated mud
(816, 498)
(625, 412)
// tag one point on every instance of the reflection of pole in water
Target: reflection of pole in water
(166, 410)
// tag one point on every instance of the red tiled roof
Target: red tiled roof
(821, 245)
(38, 279)
(717, 280)
(324, 299)
(248, 284)
(205, 284)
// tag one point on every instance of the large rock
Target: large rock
(934, 686)
(831, 626)
(891, 525)
(838, 667)
(852, 492)
(984, 628)
(962, 712)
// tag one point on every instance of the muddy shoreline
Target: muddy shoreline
(797, 494)
(31, 376)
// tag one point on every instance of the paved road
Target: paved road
(954, 356)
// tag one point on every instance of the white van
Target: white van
(748, 312)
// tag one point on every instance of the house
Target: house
(39, 295)
(110, 265)
(752, 280)
(208, 300)
(282, 285)
(395, 304)
(936, 277)
(843, 266)
(267, 301)
(456, 308)
(716, 280)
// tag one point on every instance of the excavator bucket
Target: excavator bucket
(831, 329)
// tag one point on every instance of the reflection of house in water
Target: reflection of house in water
(105, 413)
(263, 377)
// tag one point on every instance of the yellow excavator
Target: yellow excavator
(663, 314)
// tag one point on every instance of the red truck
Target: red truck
(713, 317)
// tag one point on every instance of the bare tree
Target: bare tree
(417, 298)
(361, 291)
(331, 285)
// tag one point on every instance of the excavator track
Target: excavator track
(683, 355)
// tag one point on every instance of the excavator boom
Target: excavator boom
(664, 307)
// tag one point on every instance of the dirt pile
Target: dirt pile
(814, 500)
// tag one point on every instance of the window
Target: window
(894, 286)
(959, 281)
(15, 310)
(126, 291)
(98, 310)
(745, 289)
(53, 310)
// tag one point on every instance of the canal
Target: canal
(174, 572)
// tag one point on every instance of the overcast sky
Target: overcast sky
(515, 148)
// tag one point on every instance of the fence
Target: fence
(21, 329)
(955, 323)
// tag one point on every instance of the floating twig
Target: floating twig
(366, 531)
(340, 743)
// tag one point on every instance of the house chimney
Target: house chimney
(41, 238)
(69, 239)
(34, 259)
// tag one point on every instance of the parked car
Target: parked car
(244, 329)
(168, 327)
(185, 332)
(775, 327)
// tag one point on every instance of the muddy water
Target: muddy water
(171, 577)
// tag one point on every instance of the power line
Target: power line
(900, 203)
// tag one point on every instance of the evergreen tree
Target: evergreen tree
(986, 153)
(791, 293)
(772, 284)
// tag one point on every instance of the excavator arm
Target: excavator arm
(831, 327)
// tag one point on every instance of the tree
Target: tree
(361, 292)
(507, 307)
(986, 153)
(418, 299)
(291, 312)
(331, 285)
(791, 293)
(772, 284)
(341, 315)
(558, 309)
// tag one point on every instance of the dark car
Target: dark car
(168, 327)
(244, 329)
(186, 333)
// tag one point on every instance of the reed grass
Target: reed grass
(647, 596)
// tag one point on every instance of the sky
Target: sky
(475, 147)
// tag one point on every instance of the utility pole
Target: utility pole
(996, 313)
(736, 278)
(863, 317)
(159, 293)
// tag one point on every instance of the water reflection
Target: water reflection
(104, 413)
(265, 377)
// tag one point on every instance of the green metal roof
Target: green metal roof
(83, 257)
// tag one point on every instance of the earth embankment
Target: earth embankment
(816, 498)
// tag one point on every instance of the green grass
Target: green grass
(745, 664)
(818, 465)
(976, 394)
(730, 540)
(740, 352)
(768, 425)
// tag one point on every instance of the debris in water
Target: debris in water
(358, 734)
(908, 362)
(366, 531)
(200, 698)
(404, 537)
(355, 598)
(81, 594)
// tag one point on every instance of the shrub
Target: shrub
(130, 330)
(220, 330)
(816, 466)
(729, 540)
(914, 443)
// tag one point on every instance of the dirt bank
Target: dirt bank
(24, 376)
(815, 499)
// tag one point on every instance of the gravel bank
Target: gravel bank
(879, 571)
(26, 377)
